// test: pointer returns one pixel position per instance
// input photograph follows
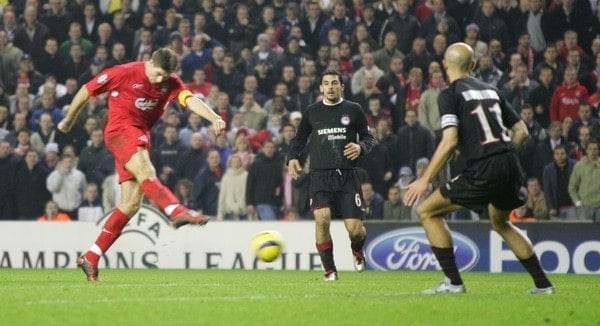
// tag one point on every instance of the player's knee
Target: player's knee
(130, 208)
(423, 212)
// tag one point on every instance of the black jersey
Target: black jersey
(330, 128)
(482, 116)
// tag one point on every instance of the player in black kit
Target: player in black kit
(476, 119)
(338, 134)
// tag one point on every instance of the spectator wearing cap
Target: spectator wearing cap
(75, 37)
(28, 75)
(472, 38)
(30, 36)
(10, 57)
(50, 156)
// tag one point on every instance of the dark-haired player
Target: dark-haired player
(338, 134)
(138, 94)
(476, 119)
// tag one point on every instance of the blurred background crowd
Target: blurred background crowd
(257, 62)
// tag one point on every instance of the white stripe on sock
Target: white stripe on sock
(95, 249)
(169, 209)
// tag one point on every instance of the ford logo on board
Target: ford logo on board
(409, 249)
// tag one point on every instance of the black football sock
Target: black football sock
(445, 257)
(533, 267)
(326, 252)
(357, 245)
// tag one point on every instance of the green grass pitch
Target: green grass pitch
(270, 297)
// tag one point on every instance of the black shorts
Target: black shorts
(339, 190)
(497, 180)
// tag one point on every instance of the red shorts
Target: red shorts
(123, 144)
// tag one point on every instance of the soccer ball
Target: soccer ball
(267, 245)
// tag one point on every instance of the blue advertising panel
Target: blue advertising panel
(562, 247)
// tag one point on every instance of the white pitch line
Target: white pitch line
(211, 298)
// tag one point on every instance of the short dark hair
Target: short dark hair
(331, 72)
(166, 59)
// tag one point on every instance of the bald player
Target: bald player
(476, 119)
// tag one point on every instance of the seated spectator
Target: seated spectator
(52, 214)
(394, 208)
(183, 191)
(567, 97)
(536, 201)
(205, 196)
(47, 105)
(90, 209)
(199, 85)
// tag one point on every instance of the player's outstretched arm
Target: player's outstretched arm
(80, 98)
(520, 134)
(445, 149)
(199, 107)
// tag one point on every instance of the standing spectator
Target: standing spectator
(379, 167)
(550, 60)
(429, 112)
(545, 148)
(539, 98)
(50, 62)
(556, 185)
(90, 22)
(414, 141)
(30, 36)
(122, 33)
(27, 74)
(585, 119)
(373, 202)
(311, 25)
(584, 186)
(227, 77)
(491, 27)
(92, 156)
(254, 115)
(47, 105)
(264, 184)
(383, 57)
(536, 22)
(52, 213)
(200, 55)
(487, 72)
(67, 185)
(205, 195)
(232, 195)
(418, 57)
(57, 19)
(338, 20)
(218, 27)
(518, 89)
(10, 59)
(76, 37)
(90, 209)
(567, 97)
(30, 187)
(405, 25)
(368, 67)
(528, 151)
(193, 159)
(429, 26)
(46, 133)
(166, 155)
(7, 192)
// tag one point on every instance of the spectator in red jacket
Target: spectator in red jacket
(566, 98)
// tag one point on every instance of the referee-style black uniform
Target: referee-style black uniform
(329, 128)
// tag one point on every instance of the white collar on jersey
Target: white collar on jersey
(332, 104)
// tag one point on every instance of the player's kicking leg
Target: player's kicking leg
(431, 213)
(131, 198)
(140, 166)
(358, 236)
(521, 246)
(324, 243)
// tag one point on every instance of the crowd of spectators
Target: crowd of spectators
(257, 62)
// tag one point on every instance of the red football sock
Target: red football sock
(109, 234)
(160, 195)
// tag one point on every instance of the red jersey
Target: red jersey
(132, 99)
